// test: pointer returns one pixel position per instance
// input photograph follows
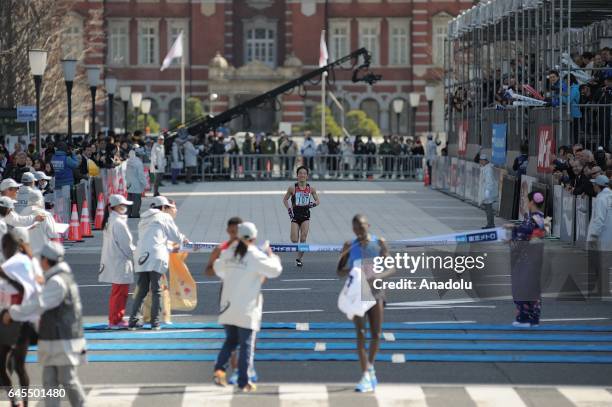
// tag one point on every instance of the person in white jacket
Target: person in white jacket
(599, 237)
(243, 267)
(44, 231)
(155, 230)
(191, 158)
(9, 188)
(487, 178)
(136, 183)
(158, 163)
(116, 263)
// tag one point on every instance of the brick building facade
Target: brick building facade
(239, 49)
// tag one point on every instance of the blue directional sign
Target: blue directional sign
(26, 114)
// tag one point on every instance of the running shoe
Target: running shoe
(120, 325)
(132, 326)
(234, 377)
(220, 378)
(249, 388)
(522, 324)
(365, 385)
(298, 263)
(373, 378)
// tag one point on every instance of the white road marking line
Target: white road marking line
(398, 358)
(434, 302)
(586, 396)
(281, 192)
(201, 396)
(320, 347)
(302, 326)
(310, 279)
(293, 311)
(572, 319)
(438, 322)
(286, 289)
(495, 396)
(307, 395)
(112, 396)
(441, 307)
(400, 395)
(94, 285)
(388, 336)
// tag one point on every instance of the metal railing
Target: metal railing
(260, 166)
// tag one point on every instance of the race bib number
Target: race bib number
(302, 198)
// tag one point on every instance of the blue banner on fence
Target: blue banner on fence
(498, 155)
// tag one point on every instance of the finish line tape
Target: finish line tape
(473, 236)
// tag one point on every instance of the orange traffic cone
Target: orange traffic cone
(99, 212)
(85, 225)
(74, 232)
(59, 237)
(426, 179)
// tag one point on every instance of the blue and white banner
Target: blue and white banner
(498, 143)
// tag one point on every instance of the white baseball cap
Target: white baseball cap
(247, 230)
(115, 200)
(6, 202)
(41, 175)
(8, 183)
(161, 201)
(28, 177)
(52, 251)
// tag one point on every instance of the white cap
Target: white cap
(160, 137)
(8, 183)
(115, 200)
(28, 177)
(39, 175)
(161, 201)
(601, 180)
(247, 230)
(35, 197)
(484, 157)
(52, 251)
(6, 202)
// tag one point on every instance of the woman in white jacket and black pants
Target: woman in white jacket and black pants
(116, 263)
(243, 267)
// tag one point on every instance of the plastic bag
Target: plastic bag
(355, 300)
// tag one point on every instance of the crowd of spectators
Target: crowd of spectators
(576, 166)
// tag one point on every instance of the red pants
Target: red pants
(116, 305)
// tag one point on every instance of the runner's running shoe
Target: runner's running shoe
(365, 384)
(220, 378)
(373, 378)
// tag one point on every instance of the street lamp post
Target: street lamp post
(145, 106)
(111, 86)
(124, 92)
(136, 99)
(38, 63)
(415, 98)
(398, 107)
(212, 98)
(93, 78)
(69, 66)
(430, 94)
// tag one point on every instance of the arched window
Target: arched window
(371, 108)
(72, 37)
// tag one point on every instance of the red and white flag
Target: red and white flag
(176, 51)
(323, 56)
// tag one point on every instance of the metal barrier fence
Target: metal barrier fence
(261, 166)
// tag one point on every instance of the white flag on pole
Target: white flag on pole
(176, 51)
(323, 56)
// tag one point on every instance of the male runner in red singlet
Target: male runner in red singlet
(303, 197)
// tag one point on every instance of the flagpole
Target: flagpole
(323, 80)
(182, 87)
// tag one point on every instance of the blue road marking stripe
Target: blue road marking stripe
(389, 325)
(297, 357)
(468, 346)
(144, 335)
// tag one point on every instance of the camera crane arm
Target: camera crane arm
(201, 126)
